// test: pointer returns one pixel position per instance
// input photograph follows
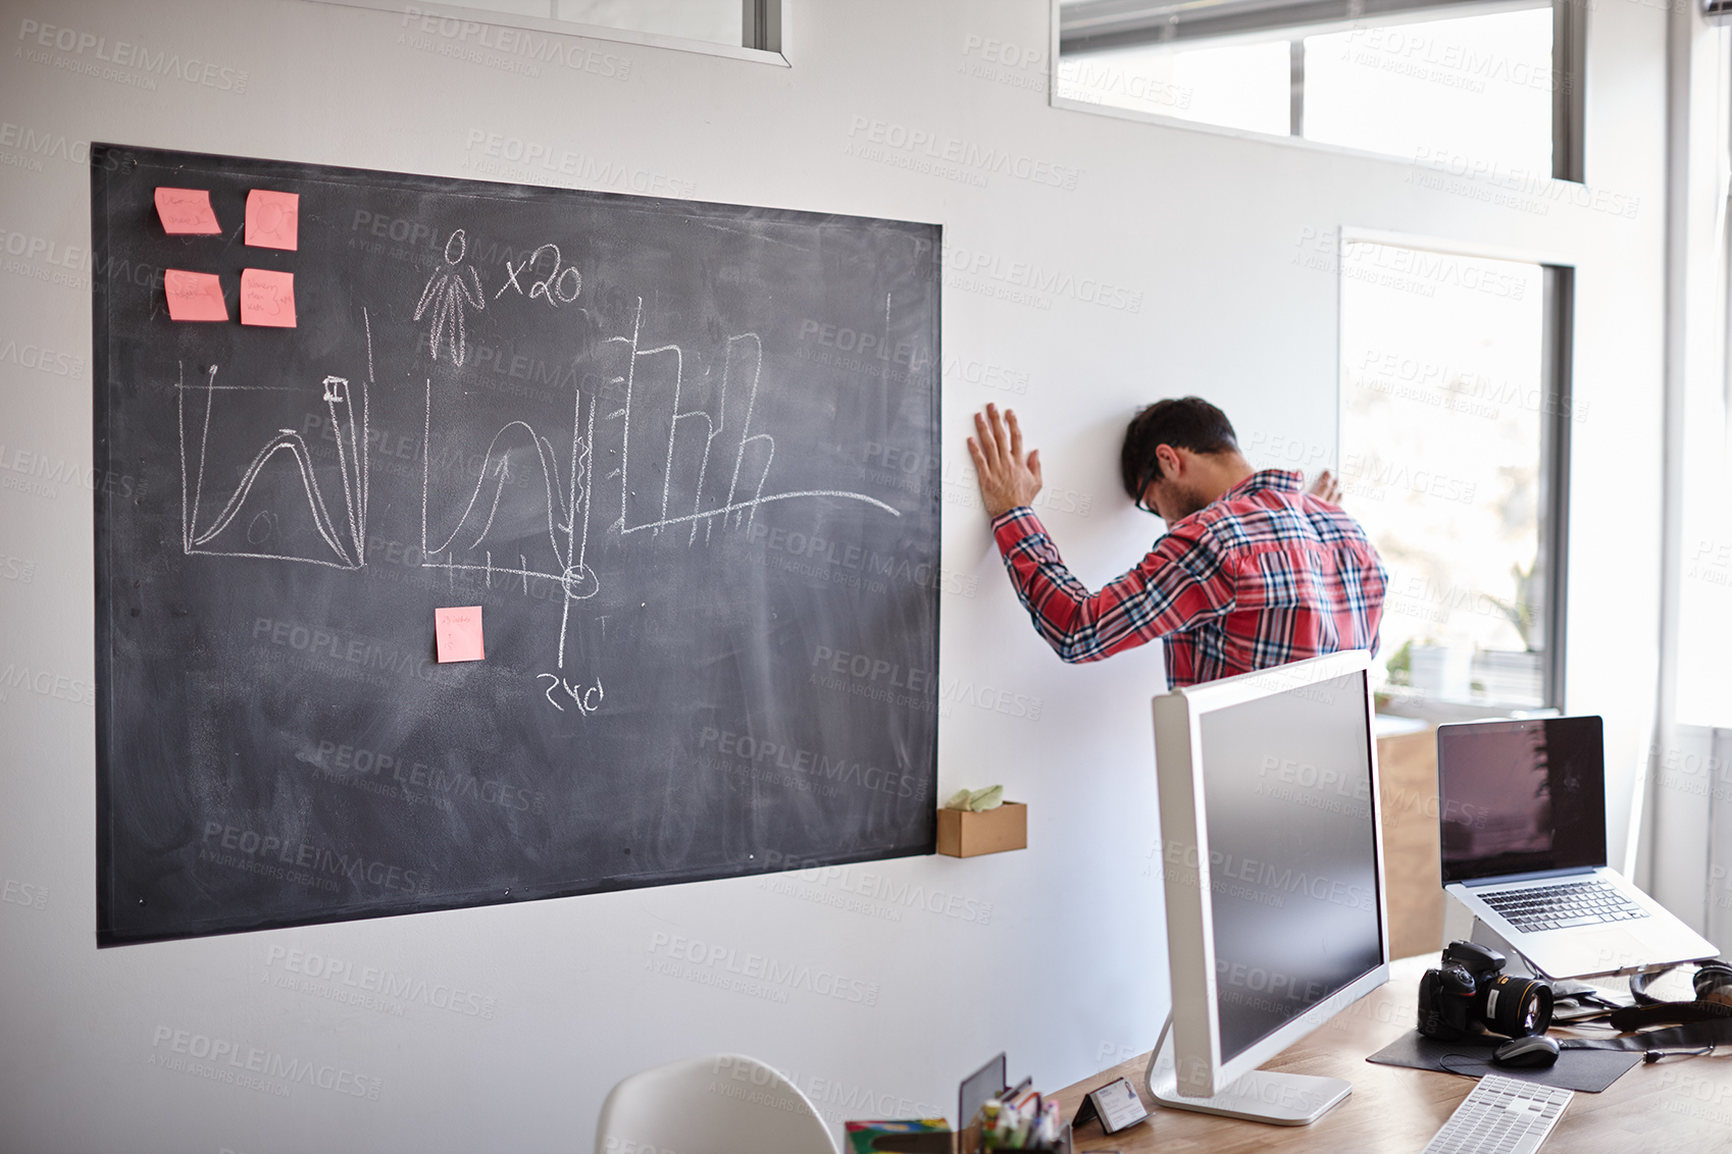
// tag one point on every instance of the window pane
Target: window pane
(705, 21)
(1443, 394)
(1240, 86)
(1705, 587)
(1705, 601)
(1458, 93)
(1705, 592)
(713, 21)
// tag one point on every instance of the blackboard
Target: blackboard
(684, 457)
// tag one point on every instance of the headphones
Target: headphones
(1712, 983)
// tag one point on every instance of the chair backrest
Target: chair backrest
(720, 1104)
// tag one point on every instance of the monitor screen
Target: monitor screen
(1268, 785)
(1292, 854)
(1522, 796)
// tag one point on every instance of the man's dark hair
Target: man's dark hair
(1182, 422)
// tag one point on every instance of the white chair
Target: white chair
(721, 1104)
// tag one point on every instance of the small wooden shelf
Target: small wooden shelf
(963, 833)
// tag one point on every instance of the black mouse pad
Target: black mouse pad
(1589, 1070)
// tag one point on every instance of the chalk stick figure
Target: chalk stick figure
(445, 294)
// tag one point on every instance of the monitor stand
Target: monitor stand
(1260, 1096)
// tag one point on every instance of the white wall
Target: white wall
(1055, 954)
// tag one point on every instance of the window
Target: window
(1704, 673)
(1235, 85)
(712, 21)
(1468, 86)
(1454, 439)
(1474, 87)
(750, 28)
(1705, 594)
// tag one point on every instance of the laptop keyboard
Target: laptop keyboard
(1558, 907)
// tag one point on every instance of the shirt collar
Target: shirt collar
(1279, 479)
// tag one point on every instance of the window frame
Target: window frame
(1557, 367)
(1569, 56)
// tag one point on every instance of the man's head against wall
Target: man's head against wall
(1179, 455)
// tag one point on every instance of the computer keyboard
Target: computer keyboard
(1560, 906)
(1501, 1116)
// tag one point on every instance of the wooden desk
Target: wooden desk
(1677, 1105)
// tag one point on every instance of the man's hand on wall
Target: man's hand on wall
(1327, 487)
(1007, 478)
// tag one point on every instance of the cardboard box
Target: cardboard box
(914, 1136)
(962, 833)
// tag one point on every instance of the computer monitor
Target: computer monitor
(1272, 856)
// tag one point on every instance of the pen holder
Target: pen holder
(968, 1142)
(972, 1135)
(971, 1140)
(964, 833)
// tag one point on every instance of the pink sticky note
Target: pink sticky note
(459, 633)
(186, 212)
(267, 298)
(194, 296)
(273, 219)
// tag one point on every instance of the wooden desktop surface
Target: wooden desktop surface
(1678, 1104)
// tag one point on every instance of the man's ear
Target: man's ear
(1172, 465)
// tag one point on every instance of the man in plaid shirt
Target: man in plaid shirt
(1252, 572)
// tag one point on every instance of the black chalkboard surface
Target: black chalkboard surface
(683, 457)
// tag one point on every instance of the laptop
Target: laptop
(1522, 821)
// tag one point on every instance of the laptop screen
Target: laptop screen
(1518, 797)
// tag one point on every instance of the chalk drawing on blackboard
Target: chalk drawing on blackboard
(561, 285)
(446, 294)
(268, 528)
(564, 509)
(561, 504)
(754, 454)
(712, 429)
(588, 699)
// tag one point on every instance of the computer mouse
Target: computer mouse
(1529, 1052)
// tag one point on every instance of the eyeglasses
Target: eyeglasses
(1143, 489)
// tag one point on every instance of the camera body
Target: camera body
(1469, 996)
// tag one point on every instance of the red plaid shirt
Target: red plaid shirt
(1263, 576)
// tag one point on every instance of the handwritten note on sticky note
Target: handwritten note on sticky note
(273, 219)
(267, 298)
(194, 296)
(186, 212)
(458, 632)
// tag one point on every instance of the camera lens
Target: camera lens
(1517, 1007)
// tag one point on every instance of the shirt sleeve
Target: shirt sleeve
(1183, 581)
(1372, 594)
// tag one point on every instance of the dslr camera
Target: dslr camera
(1470, 996)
